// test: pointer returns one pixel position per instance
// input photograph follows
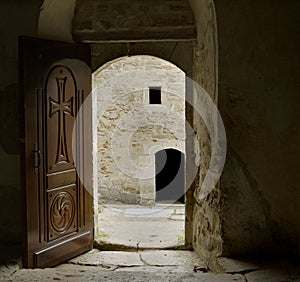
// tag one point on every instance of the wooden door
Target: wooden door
(55, 79)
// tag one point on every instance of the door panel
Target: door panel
(60, 100)
(55, 79)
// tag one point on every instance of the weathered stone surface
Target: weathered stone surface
(203, 277)
(108, 259)
(130, 130)
(8, 270)
(171, 258)
(237, 266)
(120, 20)
(137, 268)
(142, 274)
(207, 229)
(140, 227)
(268, 275)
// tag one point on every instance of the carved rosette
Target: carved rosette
(62, 212)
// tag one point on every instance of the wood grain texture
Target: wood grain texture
(54, 199)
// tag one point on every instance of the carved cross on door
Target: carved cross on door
(62, 108)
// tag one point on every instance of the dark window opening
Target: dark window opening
(155, 95)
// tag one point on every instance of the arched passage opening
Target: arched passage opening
(170, 176)
(139, 103)
(195, 54)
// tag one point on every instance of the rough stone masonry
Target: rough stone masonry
(131, 130)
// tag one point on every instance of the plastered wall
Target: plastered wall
(259, 103)
(16, 18)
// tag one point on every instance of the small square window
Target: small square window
(154, 95)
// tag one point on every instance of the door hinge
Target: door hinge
(36, 158)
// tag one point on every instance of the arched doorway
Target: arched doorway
(199, 61)
(169, 175)
(140, 105)
(131, 126)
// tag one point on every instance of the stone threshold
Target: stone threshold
(104, 246)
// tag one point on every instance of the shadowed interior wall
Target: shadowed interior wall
(16, 18)
(55, 20)
(259, 102)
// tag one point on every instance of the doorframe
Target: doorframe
(95, 157)
(184, 60)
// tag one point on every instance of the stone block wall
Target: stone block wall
(132, 20)
(130, 130)
(207, 220)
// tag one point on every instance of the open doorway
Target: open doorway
(139, 103)
(169, 176)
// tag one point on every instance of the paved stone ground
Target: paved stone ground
(153, 266)
(147, 265)
(160, 226)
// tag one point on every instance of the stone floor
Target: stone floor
(153, 266)
(160, 226)
(140, 228)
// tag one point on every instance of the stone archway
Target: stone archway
(197, 57)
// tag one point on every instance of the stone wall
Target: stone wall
(207, 221)
(130, 130)
(255, 209)
(115, 20)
